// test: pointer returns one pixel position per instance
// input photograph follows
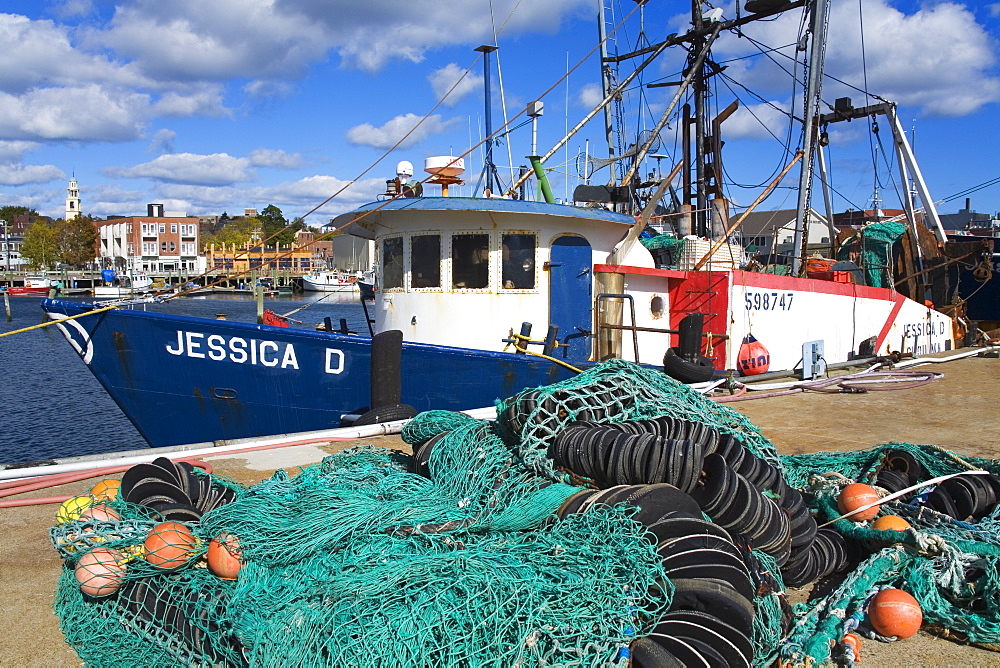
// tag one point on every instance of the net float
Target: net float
(893, 612)
(858, 495)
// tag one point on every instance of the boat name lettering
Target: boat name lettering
(768, 301)
(234, 349)
(332, 353)
(922, 328)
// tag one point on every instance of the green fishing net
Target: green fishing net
(357, 561)
(876, 242)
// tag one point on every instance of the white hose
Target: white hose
(208, 450)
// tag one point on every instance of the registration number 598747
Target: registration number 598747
(768, 301)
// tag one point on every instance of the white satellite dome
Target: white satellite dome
(404, 169)
(444, 165)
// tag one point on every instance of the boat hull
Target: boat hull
(188, 380)
(27, 292)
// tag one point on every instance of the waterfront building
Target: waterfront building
(157, 243)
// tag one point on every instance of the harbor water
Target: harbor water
(52, 406)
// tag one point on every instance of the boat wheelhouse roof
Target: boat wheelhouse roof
(372, 211)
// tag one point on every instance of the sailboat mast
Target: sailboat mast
(814, 87)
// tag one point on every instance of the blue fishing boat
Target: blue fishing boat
(477, 298)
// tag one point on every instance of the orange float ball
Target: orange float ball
(890, 523)
(106, 490)
(893, 612)
(101, 513)
(857, 495)
(170, 545)
(853, 642)
(224, 556)
(100, 571)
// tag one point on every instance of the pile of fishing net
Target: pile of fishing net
(616, 517)
(872, 247)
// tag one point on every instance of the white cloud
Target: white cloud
(451, 75)
(758, 121)
(590, 95)
(16, 174)
(76, 113)
(215, 169)
(395, 129)
(370, 34)
(938, 58)
(11, 151)
(263, 89)
(163, 141)
(183, 104)
(73, 8)
(294, 198)
(265, 157)
(190, 40)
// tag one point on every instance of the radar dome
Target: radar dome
(444, 165)
(404, 169)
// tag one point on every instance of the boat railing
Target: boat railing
(635, 329)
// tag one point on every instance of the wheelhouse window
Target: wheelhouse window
(425, 261)
(518, 266)
(392, 263)
(470, 261)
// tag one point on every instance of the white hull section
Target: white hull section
(330, 282)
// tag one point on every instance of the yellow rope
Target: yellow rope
(522, 347)
(55, 322)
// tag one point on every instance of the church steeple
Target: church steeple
(72, 199)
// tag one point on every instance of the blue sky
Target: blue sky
(233, 104)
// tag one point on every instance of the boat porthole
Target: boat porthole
(656, 307)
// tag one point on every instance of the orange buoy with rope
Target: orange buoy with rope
(893, 612)
(858, 495)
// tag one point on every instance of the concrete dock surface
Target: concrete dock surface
(957, 412)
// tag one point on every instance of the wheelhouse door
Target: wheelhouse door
(571, 296)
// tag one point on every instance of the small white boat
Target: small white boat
(123, 284)
(332, 281)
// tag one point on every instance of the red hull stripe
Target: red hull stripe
(888, 323)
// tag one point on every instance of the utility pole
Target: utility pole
(6, 246)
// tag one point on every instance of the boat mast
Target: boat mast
(488, 167)
(609, 81)
(814, 86)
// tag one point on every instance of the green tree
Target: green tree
(40, 247)
(8, 213)
(77, 240)
(275, 223)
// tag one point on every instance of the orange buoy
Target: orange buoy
(100, 571)
(853, 642)
(857, 495)
(893, 612)
(890, 523)
(106, 489)
(170, 545)
(224, 556)
(753, 358)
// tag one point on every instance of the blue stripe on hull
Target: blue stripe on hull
(188, 380)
